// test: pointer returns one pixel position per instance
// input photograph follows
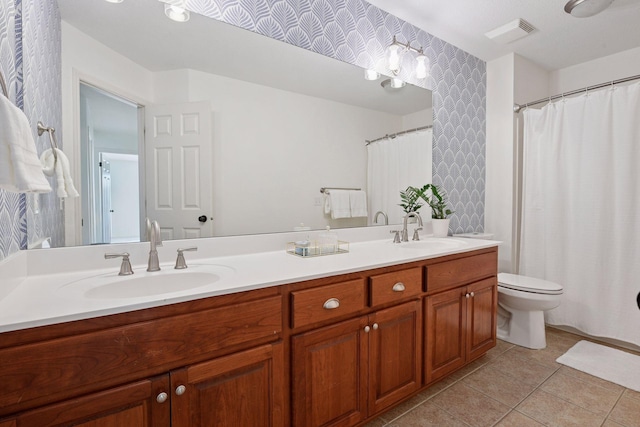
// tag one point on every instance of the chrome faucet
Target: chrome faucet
(405, 233)
(386, 218)
(155, 239)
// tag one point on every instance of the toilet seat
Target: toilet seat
(528, 284)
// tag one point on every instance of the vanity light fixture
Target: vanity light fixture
(395, 52)
(371, 75)
(115, 1)
(392, 83)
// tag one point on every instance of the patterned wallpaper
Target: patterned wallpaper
(13, 225)
(30, 61)
(356, 32)
(42, 94)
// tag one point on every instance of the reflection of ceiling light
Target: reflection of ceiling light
(115, 1)
(397, 49)
(586, 8)
(392, 83)
(176, 13)
(371, 75)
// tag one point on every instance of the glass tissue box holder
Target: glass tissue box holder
(311, 248)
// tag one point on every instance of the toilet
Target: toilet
(522, 302)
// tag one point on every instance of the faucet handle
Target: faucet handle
(155, 233)
(125, 267)
(180, 261)
(416, 236)
(396, 238)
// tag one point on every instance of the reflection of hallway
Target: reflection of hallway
(109, 152)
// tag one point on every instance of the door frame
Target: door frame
(73, 207)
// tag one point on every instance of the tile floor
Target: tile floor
(513, 386)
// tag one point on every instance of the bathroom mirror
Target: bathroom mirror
(283, 122)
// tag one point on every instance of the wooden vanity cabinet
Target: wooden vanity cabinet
(460, 323)
(192, 364)
(346, 372)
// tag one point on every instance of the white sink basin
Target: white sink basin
(435, 244)
(144, 284)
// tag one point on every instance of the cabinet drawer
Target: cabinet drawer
(457, 272)
(326, 302)
(389, 287)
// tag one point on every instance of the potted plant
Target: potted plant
(410, 200)
(437, 201)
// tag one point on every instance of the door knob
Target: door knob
(202, 218)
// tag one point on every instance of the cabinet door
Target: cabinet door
(8, 423)
(241, 390)
(330, 375)
(394, 354)
(445, 320)
(482, 313)
(134, 405)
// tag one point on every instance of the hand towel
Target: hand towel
(340, 205)
(61, 170)
(358, 203)
(20, 169)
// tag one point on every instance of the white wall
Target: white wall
(601, 70)
(510, 79)
(252, 158)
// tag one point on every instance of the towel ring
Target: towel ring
(52, 139)
(4, 86)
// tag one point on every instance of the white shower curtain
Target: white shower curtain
(581, 209)
(393, 165)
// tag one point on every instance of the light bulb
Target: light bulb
(396, 83)
(393, 58)
(422, 66)
(371, 75)
(176, 13)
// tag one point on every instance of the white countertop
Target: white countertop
(43, 299)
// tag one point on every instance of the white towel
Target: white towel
(20, 169)
(358, 203)
(60, 168)
(340, 205)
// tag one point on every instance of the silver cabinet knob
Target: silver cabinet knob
(375, 326)
(180, 390)
(367, 328)
(398, 287)
(162, 397)
(331, 304)
(472, 294)
(467, 295)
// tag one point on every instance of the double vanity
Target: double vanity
(245, 336)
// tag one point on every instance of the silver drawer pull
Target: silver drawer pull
(331, 304)
(398, 287)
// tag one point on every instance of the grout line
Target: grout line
(614, 407)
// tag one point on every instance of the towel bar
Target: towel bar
(325, 190)
(4, 85)
(52, 139)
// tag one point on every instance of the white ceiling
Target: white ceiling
(559, 41)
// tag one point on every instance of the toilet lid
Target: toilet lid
(528, 284)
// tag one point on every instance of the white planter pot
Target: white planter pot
(440, 227)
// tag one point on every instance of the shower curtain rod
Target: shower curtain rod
(393, 135)
(518, 107)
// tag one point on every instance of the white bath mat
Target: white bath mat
(604, 362)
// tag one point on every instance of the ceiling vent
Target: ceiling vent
(512, 31)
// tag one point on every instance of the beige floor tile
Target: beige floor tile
(498, 385)
(501, 347)
(632, 394)
(522, 368)
(582, 393)
(403, 408)
(626, 411)
(469, 405)
(516, 419)
(609, 423)
(552, 411)
(425, 415)
(378, 422)
(590, 379)
(546, 356)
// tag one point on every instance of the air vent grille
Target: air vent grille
(510, 32)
